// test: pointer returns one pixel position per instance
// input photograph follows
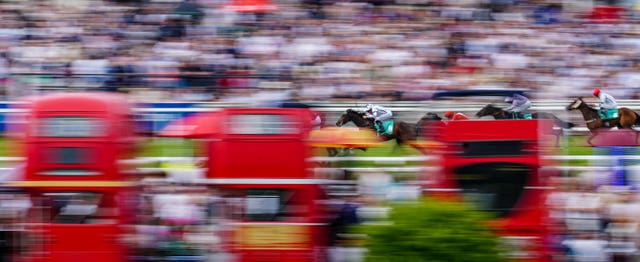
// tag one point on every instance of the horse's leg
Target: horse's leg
(396, 145)
(332, 151)
(591, 137)
(558, 134)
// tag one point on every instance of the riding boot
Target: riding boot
(379, 127)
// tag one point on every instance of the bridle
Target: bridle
(340, 121)
(581, 103)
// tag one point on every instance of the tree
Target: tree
(429, 230)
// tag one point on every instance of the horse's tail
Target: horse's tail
(637, 122)
(562, 123)
(566, 124)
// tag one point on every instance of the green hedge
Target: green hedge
(433, 231)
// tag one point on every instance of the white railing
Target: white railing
(406, 111)
(436, 106)
(401, 160)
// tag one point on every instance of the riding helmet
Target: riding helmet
(448, 114)
(596, 92)
(369, 107)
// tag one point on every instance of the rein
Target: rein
(585, 107)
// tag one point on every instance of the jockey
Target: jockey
(378, 113)
(453, 116)
(608, 105)
(518, 102)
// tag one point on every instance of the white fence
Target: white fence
(406, 111)
(375, 160)
(398, 159)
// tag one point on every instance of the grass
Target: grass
(168, 147)
(576, 146)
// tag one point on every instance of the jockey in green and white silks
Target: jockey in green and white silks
(379, 114)
(608, 105)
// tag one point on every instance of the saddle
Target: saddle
(386, 128)
(608, 114)
(516, 115)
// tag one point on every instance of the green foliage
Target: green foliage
(168, 147)
(432, 231)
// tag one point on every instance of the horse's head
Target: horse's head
(576, 104)
(488, 110)
(430, 116)
(356, 117)
(344, 118)
(348, 117)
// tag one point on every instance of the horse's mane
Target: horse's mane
(430, 116)
(587, 105)
(354, 111)
(493, 106)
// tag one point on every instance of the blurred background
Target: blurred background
(173, 61)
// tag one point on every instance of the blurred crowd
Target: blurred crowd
(212, 50)
(594, 222)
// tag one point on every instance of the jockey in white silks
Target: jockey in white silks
(608, 105)
(379, 114)
(518, 102)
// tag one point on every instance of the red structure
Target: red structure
(73, 144)
(607, 14)
(497, 166)
(258, 162)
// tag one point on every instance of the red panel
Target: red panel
(98, 154)
(529, 218)
(237, 155)
(79, 243)
(266, 159)
(96, 157)
(84, 102)
(261, 155)
(474, 130)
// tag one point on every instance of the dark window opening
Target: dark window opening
(493, 148)
(495, 187)
(69, 156)
(264, 204)
(74, 208)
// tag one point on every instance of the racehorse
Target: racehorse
(627, 118)
(403, 132)
(430, 116)
(499, 113)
